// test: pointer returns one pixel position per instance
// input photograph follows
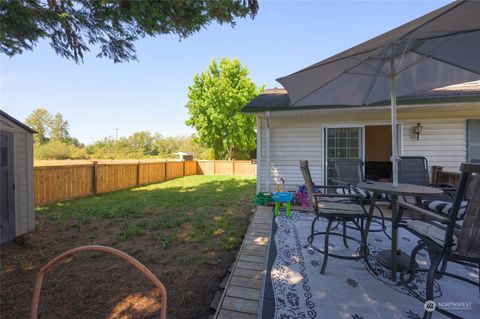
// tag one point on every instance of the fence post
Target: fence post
(233, 167)
(166, 163)
(94, 177)
(214, 168)
(183, 169)
(138, 173)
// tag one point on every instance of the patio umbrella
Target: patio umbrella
(438, 49)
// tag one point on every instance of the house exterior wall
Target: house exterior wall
(442, 141)
(296, 135)
(290, 142)
(23, 176)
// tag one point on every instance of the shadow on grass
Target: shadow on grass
(183, 230)
(183, 193)
(193, 208)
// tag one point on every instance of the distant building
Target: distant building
(185, 156)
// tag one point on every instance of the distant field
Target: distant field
(101, 161)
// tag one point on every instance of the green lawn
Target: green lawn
(184, 230)
(205, 208)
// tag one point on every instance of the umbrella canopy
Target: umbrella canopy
(438, 49)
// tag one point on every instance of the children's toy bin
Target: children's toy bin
(282, 197)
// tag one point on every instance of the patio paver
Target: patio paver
(228, 314)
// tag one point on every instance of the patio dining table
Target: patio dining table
(392, 257)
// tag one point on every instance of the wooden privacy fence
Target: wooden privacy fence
(63, 182)
(235, 168)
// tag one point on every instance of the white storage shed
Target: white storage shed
(16, 187)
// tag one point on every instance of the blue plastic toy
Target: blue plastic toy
(285, 197)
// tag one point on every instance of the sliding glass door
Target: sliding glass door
(342, 142)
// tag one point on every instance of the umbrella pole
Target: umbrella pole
(393, 101)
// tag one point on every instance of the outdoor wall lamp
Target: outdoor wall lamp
(417, 130)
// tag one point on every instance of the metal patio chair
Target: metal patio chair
(341, 212)
(347, 173)
(445, 237)
(414, 170)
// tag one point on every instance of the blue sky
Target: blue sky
(98, 96)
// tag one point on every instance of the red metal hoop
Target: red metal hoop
(132, 261)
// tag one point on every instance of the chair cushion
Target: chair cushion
(358, 191)
(340, 208)
(433, 230)
(444, 207)
(336, 199)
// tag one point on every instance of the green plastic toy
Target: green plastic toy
(261, 199)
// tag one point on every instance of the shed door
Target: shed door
(473, 141)
(7, 209)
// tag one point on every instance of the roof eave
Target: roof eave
(414, 101)
(17, 122)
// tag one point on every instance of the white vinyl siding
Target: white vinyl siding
(21, 183)
(291, 141)
(296, 135)
(443, 142)
(23, 176)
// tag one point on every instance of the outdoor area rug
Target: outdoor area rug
(294, 287)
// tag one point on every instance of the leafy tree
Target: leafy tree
(58, 150)
(101, 149)
(143, 143)
(59, 129)
(75, 142)
(74, 26)
(40, 121)
(146, 145)
(53, 141)
(215, 102)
